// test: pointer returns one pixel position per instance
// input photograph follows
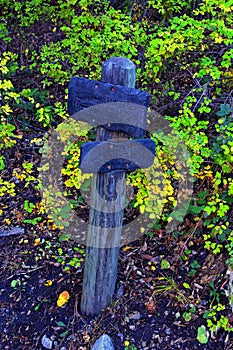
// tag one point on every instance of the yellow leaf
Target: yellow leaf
(218, 39)
(36, 242)
(63, 298)
(142, 208)
(125, 249)
(48, 283)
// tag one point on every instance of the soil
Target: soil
(148, 320)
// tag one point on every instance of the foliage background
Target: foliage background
(183, 52)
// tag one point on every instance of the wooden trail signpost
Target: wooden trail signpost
(109, 157)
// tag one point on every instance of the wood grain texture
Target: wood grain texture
(127, 155)
(129, 117)
(108, 195)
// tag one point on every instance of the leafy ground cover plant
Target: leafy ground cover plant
(183, 52)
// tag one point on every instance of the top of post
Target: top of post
(119, 71)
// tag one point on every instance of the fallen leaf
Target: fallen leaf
(126, 248)
(48, 283)
(159, 232)
(86, 337)
(36, 242)
(202, 335)
(144, 247)
(151, 306)
(146, 256)
(148, 280)
(63, 298)
(165, 264)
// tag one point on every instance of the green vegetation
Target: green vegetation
(183, 52)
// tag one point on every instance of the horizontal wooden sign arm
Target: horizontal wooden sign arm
(106, 156)
(117, 108)
(85, 93)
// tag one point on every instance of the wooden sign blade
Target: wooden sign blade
(105, 156)
(85, 93)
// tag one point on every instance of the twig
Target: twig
(185, 243)
(24, 273)
(12, 231)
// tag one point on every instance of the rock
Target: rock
(120, 335)
(120, 292)
(46, 342)
(132, 327)
(103, 343)
(135, 315)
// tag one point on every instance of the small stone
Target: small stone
(168, 331)
(132, 327)
(120, 292)
(103, 343)
(46, 342)
(135, 315)
(139, 273)
(155, 336)
(120, 335)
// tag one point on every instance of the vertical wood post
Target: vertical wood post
(104, 229)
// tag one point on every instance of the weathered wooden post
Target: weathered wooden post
(108, 184)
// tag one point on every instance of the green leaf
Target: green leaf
(65, 211)
(64, 334)
(195, 209)
(228, 4)
(225, 109)
(187, 316)
(14, 283)
(61, 324)
(186, 285)
(226, 168)
(86, 185)
(165, 264)
(203, 194)
(64, 237)
(202, 335)
(74, 202)
(192, 272)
